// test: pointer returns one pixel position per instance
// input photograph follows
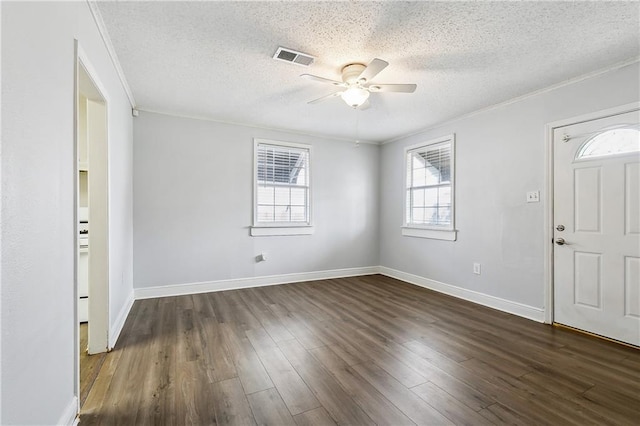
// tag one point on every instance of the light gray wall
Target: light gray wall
(193, 188)
(37, 252)
(500, 155)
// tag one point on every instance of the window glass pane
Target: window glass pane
(444, 196)
(431, 215)
(265, 213)
(418, 214)
(418, 197)
(282, 213)
(298, 214)
(302, 177)
(418, 171)
(265, 195)
(431, 197)
(292, 175)
(298, 196)
(611, 142)
(432, 175)
(444, 215)
(282, 196)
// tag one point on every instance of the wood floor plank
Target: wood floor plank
(332, 396)
(380, 409)
(620, 402)
(263, 313)
(294, 391)
(240, 311)
(421, 368)
(269, 409)
(193, 402)
(187, 344)
(358, 350)
(414, 407)
(253, 376)
(222, 308)
(230, 404)
(449, 406)
(541, 401)
(92, 411)
(464, 393)
(125, 390)
(500, 415)
(315, 417)
(89, 364)
(297, 328)
(218, 364)
(158, 400)
(330, 332)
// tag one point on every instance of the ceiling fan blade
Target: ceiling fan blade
(322, 80)
(331, 95)
(400, 88)
(372, 69)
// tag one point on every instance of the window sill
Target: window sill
(434, 234)
(272, 231)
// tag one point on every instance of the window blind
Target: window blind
(429, 195)
(282, 186)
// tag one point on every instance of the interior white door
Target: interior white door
(597, 226)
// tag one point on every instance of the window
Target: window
(610, 142)
(281, 190)
(429, 191)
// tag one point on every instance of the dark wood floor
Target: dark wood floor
(89, 364)
(355, 351)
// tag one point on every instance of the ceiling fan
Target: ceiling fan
(356, 80)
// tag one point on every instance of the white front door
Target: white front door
(597, 226)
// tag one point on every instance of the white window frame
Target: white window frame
(265, 229)
(448, 232)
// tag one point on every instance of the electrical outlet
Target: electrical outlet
(476, 268)
(533, 197)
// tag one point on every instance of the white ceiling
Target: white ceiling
(213, 59)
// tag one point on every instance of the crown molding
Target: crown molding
(567, 82)
(104, 34)
(254, 126)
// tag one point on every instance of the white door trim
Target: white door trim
(81, 59)
(548, 217)
(101, 343)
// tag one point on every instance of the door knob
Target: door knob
(560, 241)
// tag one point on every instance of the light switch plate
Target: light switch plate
(476, 268)
(533, 197)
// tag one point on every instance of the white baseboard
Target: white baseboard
(238, 283)
(522, 310)
(116, 327)
(70, 413)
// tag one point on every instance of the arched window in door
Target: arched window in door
(610, 142)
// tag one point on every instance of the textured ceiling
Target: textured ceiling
(213, 59)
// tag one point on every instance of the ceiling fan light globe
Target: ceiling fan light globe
(355, 96)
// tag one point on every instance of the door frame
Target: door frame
(81, 59)
(549, 185)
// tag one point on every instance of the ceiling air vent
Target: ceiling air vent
(294, 57)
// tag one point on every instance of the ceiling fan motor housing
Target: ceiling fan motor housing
(351, 72)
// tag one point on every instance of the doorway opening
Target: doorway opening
(92, 236)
